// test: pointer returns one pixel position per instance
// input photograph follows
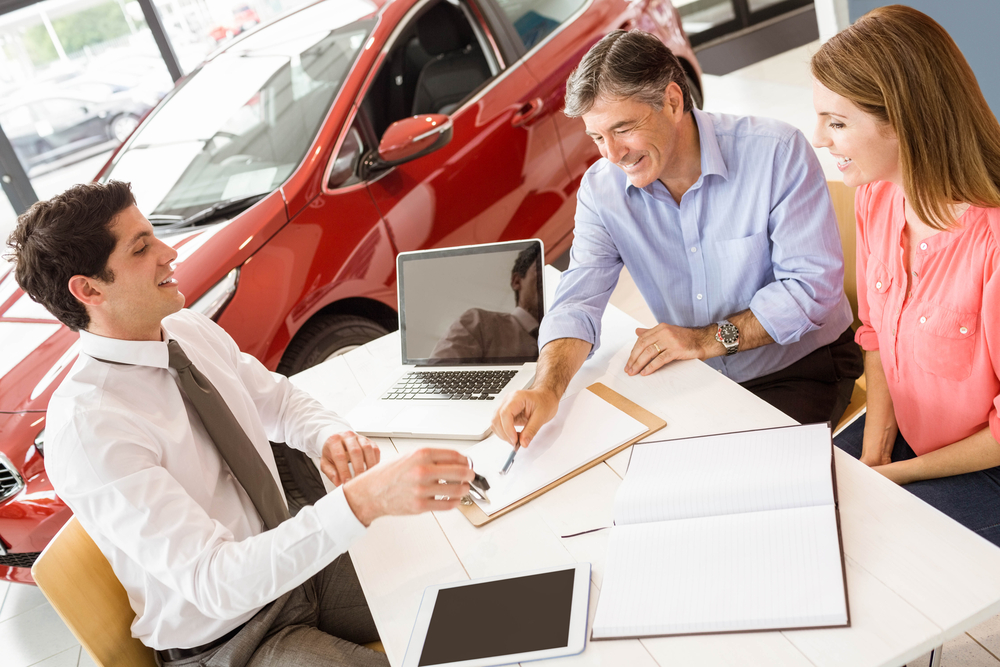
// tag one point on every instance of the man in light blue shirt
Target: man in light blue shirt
(725, 224)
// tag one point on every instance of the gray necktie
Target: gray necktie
(230, 439)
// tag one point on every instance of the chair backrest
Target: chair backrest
(843, 206)
(83, 589)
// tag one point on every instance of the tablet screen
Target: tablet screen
(497, 618)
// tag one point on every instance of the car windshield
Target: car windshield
(243, 122)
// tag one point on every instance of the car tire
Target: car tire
(122, 126)
(696, 95)
(320, 339)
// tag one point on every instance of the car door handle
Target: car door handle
(527, 112)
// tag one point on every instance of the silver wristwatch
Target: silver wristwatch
(729, 336)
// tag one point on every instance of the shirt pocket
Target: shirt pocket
(945, 341)
(878, 280)
(744, 267)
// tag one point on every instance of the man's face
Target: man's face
(144, 290)
(526, 288)
(642, 141)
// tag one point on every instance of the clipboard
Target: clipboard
(652, 423)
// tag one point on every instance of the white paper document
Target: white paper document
(725, 533)
(585, 428)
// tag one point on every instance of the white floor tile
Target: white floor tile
(68, 658)
(86, 660)
(21, 598)
(988, 634)
(4, 587)
(34, 635)
(965, 652)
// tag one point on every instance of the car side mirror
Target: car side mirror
(413, 137)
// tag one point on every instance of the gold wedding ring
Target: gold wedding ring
(658, 350)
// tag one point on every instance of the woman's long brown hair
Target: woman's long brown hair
(902, 68)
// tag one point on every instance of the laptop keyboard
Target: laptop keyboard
(449, 386)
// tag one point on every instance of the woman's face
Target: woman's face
(866, 149)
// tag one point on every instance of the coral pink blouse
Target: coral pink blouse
(940, 346)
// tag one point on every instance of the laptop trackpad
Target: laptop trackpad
(414, 419)
(418, 420)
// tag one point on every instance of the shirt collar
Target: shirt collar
(711, 155)
(525, 319)
(133, 352)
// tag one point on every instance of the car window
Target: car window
(535, 19)
(438, 62)
(242, 123)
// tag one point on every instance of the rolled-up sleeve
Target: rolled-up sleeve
(585, 287)
(866, 335)
(806, 253)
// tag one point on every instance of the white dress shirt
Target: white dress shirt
(130, 456)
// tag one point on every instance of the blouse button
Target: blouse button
(963, 330)
(923, 319)
(923, 246)
(878, 285)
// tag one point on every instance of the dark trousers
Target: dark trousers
(319, 623)
(972, 499)
(817, 387)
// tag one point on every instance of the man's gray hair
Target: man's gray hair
(635, 65)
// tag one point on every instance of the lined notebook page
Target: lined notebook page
(585, 427)
(727, 474)
(754, 571)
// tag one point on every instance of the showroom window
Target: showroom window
(75, 78)
(706, 20)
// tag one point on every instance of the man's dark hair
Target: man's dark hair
(625, 65)
(524, 260)
(66, 236)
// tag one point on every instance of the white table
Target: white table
(915, 578)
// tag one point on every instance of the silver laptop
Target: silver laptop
(468, 324)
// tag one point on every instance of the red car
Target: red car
(276, 171)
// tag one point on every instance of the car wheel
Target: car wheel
(122, 126)
(322, 338)
(696, 95)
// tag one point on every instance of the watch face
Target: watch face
(729, 334)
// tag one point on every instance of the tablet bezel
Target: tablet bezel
(579, 608)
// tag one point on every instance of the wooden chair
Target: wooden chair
(843, 206)
(83, 589)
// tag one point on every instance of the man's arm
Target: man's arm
(558, 362)
(119, 489)
(665, 343)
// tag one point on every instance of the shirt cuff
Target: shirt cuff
(315, 448)
(866, 338)
(568, 324)
(338, 519)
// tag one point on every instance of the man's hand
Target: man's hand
(665, 343)
(427, 480)
(347, 447)
(530, 408)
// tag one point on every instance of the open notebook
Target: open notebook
(726, 533)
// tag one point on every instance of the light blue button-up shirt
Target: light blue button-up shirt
(756, 230)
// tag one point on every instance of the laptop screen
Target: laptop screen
(471, 305)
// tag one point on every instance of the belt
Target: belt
(173, 654)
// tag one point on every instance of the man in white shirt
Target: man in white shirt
(130, 455)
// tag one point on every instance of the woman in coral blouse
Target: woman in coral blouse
(900, 109)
